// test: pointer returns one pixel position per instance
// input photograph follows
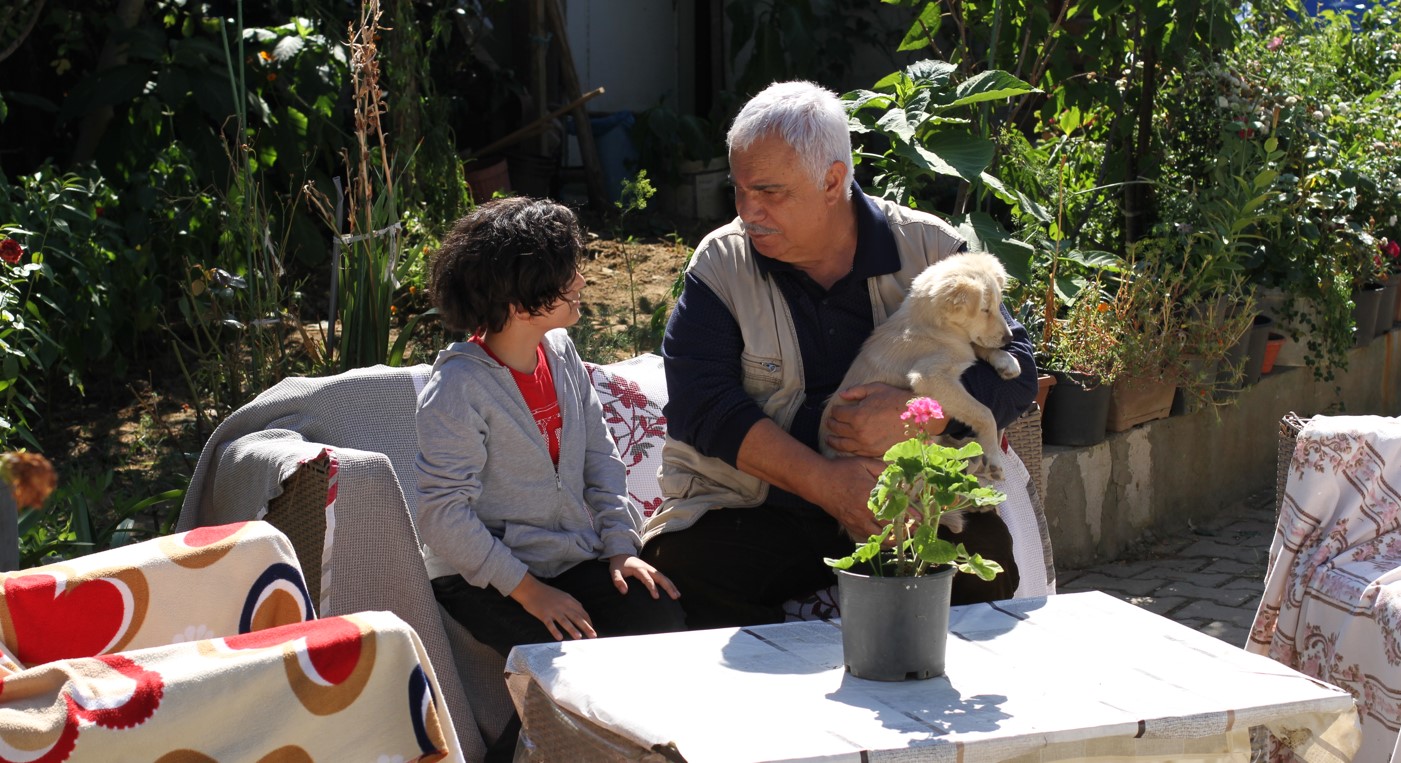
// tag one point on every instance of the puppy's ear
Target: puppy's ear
(959, 293)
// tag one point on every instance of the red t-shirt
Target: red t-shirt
(538, 389)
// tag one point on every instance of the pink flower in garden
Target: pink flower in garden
(11, 251)
(921, 409)
(1275, 44)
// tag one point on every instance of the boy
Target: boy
(523, 509)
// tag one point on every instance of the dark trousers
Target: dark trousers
(736, 567)
(500, 623)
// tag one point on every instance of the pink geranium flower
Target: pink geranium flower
(921, 409)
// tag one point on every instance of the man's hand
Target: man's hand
(560, 612)
(870, 423)
(847, 491)
(624, 566)
(841, 486)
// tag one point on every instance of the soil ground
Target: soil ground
(125, 440)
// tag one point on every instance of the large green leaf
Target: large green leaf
(930, 73)
(984, 233)
(923, 29)
(898, 124)
(925, 159)
(857, 100)
(967, 154)
(989, 86)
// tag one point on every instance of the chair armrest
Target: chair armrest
(213, 581)
(345, 513)
(330, 689)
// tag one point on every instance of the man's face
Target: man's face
(784, 212)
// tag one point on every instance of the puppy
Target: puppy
(951, 318)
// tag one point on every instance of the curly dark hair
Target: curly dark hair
(517, 251)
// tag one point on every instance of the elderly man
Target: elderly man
(775, 308)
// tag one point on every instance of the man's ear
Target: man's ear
(834, 183)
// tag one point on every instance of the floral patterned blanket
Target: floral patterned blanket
(201, 646)
(1332, 602)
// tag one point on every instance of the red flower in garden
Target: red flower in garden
(11, 251)
(1392, 249)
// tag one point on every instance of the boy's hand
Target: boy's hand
(625, 566)
(560, 612)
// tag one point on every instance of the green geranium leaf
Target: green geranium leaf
(905, 449)
(971, 450)
(892, 506)
(937, 551)
(986, 569)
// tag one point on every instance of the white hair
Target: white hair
(807, 116)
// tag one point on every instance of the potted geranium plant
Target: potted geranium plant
(894, 589)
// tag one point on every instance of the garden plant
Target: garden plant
(195, 198)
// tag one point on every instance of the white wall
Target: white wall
(628, 47)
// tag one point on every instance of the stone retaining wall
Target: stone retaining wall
(1159, 475)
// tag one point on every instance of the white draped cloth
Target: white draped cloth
(1332, 602)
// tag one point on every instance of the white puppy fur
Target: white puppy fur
(951, 318)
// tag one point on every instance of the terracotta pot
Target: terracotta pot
(1272, 347)
(1044, 382)
(1296, 338)
(1136, 401)
(487, 176)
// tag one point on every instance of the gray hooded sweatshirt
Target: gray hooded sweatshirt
(492, 504)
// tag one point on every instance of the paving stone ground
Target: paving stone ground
(1208, 576)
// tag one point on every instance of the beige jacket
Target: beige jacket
(771, 361)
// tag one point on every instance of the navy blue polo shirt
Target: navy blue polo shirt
(707, 406)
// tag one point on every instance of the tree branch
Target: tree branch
(23, 33)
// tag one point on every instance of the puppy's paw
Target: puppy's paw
(1006, 365)
(986, 466)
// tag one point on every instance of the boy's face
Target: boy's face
(565, 311)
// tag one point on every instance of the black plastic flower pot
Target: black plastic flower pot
(895, 628)
(1077, 414)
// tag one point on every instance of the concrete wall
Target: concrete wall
(1160, 475)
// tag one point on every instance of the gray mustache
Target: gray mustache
(759, 229)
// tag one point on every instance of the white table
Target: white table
(1068, 677)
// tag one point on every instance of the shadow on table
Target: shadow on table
(932, 705)
(798, 648)
(981, 622)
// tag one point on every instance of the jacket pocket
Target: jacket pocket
(762, 375)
